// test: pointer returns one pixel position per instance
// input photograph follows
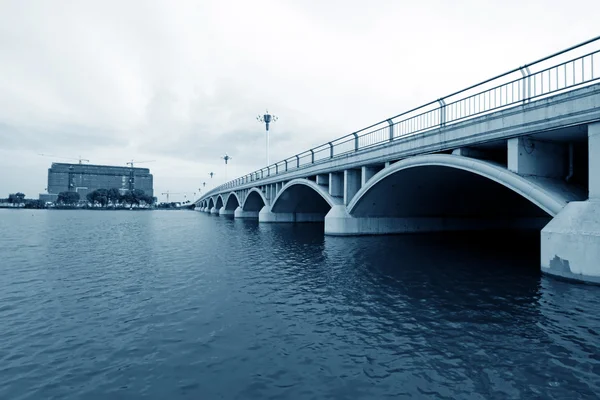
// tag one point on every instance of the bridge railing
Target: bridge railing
(566, 70)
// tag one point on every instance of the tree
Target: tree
(102, 197)
(113, 196)
(16, 198)
(127, 198)
(99, 196)
(68, 198)
(35, 204)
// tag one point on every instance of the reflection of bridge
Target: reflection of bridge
(515, 152)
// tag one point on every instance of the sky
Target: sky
(180, 83)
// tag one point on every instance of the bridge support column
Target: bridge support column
(532, 157)
(367, 173)
(214, 210)
(323, 179)
(265, 215)
(351, 184)
(570, 243)
(223, 211)
(239, 213)
(336, 184)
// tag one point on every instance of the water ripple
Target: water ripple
(184, 305)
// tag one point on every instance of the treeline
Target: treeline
(14, 198)
(18, 200)
(107, 198)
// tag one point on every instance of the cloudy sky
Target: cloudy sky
(181, 82)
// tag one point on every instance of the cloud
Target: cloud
(182, 82)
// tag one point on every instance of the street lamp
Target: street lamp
(226, 158)
(267, 119)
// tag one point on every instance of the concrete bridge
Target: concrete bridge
(518, 151)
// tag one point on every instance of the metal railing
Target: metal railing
(517, 86)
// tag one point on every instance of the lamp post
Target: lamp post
(267, 119)
(211, 175)
(226, 158)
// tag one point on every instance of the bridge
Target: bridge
(518, 151)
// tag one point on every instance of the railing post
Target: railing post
(276, 168)
(297, 161)
(330, 150)
(285, 165)
(312, 156)
(355, 141)
(526, 83)
(391, 124)
(442, 112)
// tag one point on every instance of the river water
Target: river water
(185, 305)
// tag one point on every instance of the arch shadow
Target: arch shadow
(232, 201)
(255, 200)
(450, 185)
(304, 196)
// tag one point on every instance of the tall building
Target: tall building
(85, 178)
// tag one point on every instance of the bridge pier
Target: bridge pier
(266, 215)
(570, 243)
(240, 213)
(214, 210)
(338, 222)
(224, 211)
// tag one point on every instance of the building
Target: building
(85, 178)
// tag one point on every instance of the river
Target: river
(185, 305)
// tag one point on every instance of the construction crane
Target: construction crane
(65, 158)
(131, 174)
(130, 163)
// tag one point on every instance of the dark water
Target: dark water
(168, 305)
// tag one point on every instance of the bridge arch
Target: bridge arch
(211, 203)
(232, 201)
(219, 202)
(303, 196)
(442, 185)
(255, 200)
